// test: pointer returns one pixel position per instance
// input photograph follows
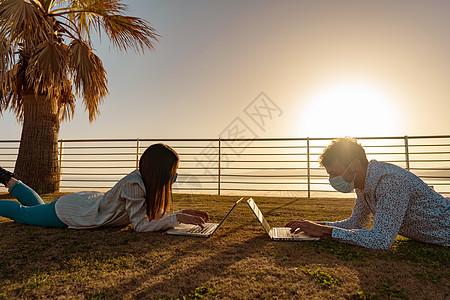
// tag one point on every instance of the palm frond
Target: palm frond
(89, 76)
(87, 14)
(23, 22)
(97, 8)
(130, 32)
(38, 4)
(3, 92)
(9, 90)
(32, 32)
(47, 68)
(125, 32)
(46, 4)
(6, 54)
(6, 59)
(66, 102)
(11, 97)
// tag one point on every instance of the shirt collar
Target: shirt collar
(369, 176)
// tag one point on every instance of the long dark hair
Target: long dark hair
(158, 166)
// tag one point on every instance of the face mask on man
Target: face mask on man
(341, 185)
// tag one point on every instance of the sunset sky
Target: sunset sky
(278, 69)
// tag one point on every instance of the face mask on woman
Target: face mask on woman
(341, 185)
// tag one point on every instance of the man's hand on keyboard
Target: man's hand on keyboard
(202, 214)
(190, 219)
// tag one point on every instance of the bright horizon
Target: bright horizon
(346, 68)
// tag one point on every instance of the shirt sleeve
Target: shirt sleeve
(360, 217)
(134, 196)
(393, 198)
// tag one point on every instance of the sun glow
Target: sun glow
(349, 109)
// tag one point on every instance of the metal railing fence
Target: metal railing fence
(268, 166)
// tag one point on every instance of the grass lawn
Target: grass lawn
(238, 262)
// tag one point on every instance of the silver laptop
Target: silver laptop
(196, 230)
(278, 233)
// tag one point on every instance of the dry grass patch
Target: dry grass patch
(238, 262)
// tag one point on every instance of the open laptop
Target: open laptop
(278, 233)
(196, 230)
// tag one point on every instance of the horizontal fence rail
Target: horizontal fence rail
(262, 166)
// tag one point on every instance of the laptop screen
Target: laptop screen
(229, 212)
(259, 215)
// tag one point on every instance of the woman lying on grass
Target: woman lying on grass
(142, 198)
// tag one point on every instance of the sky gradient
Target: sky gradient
(323, 69)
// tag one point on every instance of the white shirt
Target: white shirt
(401, 204)
(120, 206)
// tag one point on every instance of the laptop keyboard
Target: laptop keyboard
(198, 229)
(283, 232)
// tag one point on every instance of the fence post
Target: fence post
(61, 145)
(407, 152)
(137, 153)
(218, 178)
(308, 167)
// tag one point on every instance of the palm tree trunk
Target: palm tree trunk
(37, 161)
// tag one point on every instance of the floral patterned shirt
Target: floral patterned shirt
(401, 204)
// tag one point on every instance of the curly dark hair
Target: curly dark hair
(344, 150)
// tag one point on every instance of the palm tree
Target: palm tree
(47, 61)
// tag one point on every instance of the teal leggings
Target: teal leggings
(32, 210)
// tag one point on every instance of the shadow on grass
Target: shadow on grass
(407, 271)
(420, 253)
(195, 276)
(30, 254)
(282, 206)
(120, 263)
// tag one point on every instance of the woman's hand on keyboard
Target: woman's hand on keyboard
(190, 219)
(202, 214)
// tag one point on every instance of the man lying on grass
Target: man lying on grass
(399, 200)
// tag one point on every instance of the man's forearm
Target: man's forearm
(327, 230)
